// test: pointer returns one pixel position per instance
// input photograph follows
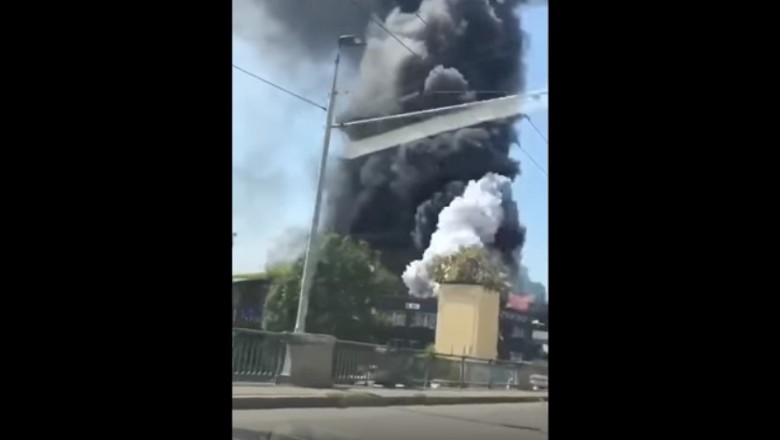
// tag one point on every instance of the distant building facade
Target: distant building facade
(522, 325)
(411, 321)
(249, 302)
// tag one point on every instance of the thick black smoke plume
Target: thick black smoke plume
(470, 49)
(465, 50)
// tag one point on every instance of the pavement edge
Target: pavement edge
(371, 400)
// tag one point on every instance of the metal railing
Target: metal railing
(485, 373)
(361, 363)
(258, 356)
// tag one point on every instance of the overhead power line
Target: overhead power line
(502, 92)
(483, 53)
(379, 23)
(306, 100)
(539, 132)
(533, 160)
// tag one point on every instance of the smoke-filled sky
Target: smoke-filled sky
(277, 140)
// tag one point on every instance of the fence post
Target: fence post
(427, 371)
(370, 367)
(490, 374)
(279, 365)
(463, 368)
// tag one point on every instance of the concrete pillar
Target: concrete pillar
(467, 321)
(309, 360)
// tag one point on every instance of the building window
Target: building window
(540, 336)
(394, 318)
(427, 320)
(513, 316)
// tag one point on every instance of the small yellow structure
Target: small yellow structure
(467, 321)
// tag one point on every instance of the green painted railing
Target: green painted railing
(359, 363)
(258, 356)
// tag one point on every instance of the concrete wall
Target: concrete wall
(467, 322)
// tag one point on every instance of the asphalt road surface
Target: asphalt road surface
(515, 421)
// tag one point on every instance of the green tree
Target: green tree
(278, 271)
(344, 289)
(471, 265)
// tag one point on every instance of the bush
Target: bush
(471, 265)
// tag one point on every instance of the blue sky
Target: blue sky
(277, 140)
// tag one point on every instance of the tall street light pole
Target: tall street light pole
(310, 260)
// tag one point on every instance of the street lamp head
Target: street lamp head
(351, 40)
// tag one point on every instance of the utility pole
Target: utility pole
(310, 260)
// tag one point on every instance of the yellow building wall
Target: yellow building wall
(467, 321)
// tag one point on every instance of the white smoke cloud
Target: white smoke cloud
(470, 220)
(252, 22)
(445, 78)
(287, 247)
